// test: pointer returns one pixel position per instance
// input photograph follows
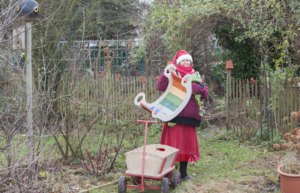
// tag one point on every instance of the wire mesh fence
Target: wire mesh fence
(94, 55)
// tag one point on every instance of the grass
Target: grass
(225, 166)
(19, 145)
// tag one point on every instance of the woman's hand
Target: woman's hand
(172, 69)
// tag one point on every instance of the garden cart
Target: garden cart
(155, 162)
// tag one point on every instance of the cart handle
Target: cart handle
(143, 121)
(144, 151)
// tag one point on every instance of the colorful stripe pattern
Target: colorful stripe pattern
(175, 96)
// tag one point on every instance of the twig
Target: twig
(103, 160)
(99, 154)
(117, 153)
(60, 148)
(85, 164)
(101, 186)
(90, 159)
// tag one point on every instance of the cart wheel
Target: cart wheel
(136, 180)
(175, 179)
(165, 185)
(122, 185)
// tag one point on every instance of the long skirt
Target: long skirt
(184, 138)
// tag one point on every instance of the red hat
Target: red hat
(182, 55)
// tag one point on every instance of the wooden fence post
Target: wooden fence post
(229, 68)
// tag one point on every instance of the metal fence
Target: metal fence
(93, 55)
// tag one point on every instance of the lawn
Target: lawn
(225, 166)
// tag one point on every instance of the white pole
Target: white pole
(29, 89)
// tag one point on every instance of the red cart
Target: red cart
(153, 162)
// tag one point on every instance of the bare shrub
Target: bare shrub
(247, 126)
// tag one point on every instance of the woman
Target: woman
(180, 132)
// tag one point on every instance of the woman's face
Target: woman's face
(185, 63)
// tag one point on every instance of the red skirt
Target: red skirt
(184, 138)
